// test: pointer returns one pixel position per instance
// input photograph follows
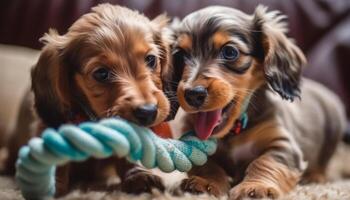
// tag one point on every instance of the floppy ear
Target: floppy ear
(161, 21)
(50, 81)
(281, 58)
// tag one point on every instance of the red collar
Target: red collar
(240, 124)
(163, 130)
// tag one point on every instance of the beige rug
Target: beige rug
(337, 188)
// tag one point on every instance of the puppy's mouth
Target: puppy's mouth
(209, 123)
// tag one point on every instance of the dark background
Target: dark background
(320, 27)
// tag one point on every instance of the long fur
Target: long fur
(116, 39)
(284, 142)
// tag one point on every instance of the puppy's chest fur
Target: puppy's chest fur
(242, 147)
(235, 153)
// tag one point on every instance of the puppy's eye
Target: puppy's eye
(151, 61)
(101, 75)
(229, 52)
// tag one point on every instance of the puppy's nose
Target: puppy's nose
(146, 114)
(196, 96)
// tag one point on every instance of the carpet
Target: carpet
(337, 188)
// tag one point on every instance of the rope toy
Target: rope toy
(37, 161)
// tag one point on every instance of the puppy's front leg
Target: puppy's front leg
(137, 180)
(209, 178)
(275, 172)
(62, 180)
(266, 178)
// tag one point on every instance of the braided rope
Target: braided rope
(37, 161)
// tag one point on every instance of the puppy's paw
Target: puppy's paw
(198, 185)
(141, 182)
(313, 178)
(254, 190)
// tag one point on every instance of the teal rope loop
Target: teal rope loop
(37, 161)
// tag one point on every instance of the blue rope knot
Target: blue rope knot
(37, 161)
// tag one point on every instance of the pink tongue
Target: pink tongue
(205, 123)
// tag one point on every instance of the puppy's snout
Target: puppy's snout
(196, 96)
(146, 114)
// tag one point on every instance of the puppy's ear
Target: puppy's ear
(161, 21)
(50, 82)
(281, 58)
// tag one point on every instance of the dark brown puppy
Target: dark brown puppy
(236, 64)
(111, 62)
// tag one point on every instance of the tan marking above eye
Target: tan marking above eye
(141, 48)
(220, 38)
(185, 42)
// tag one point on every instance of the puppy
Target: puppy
(235, 69)
(111, 62)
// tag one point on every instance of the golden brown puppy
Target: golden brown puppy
(234, 67)
(111, 62)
